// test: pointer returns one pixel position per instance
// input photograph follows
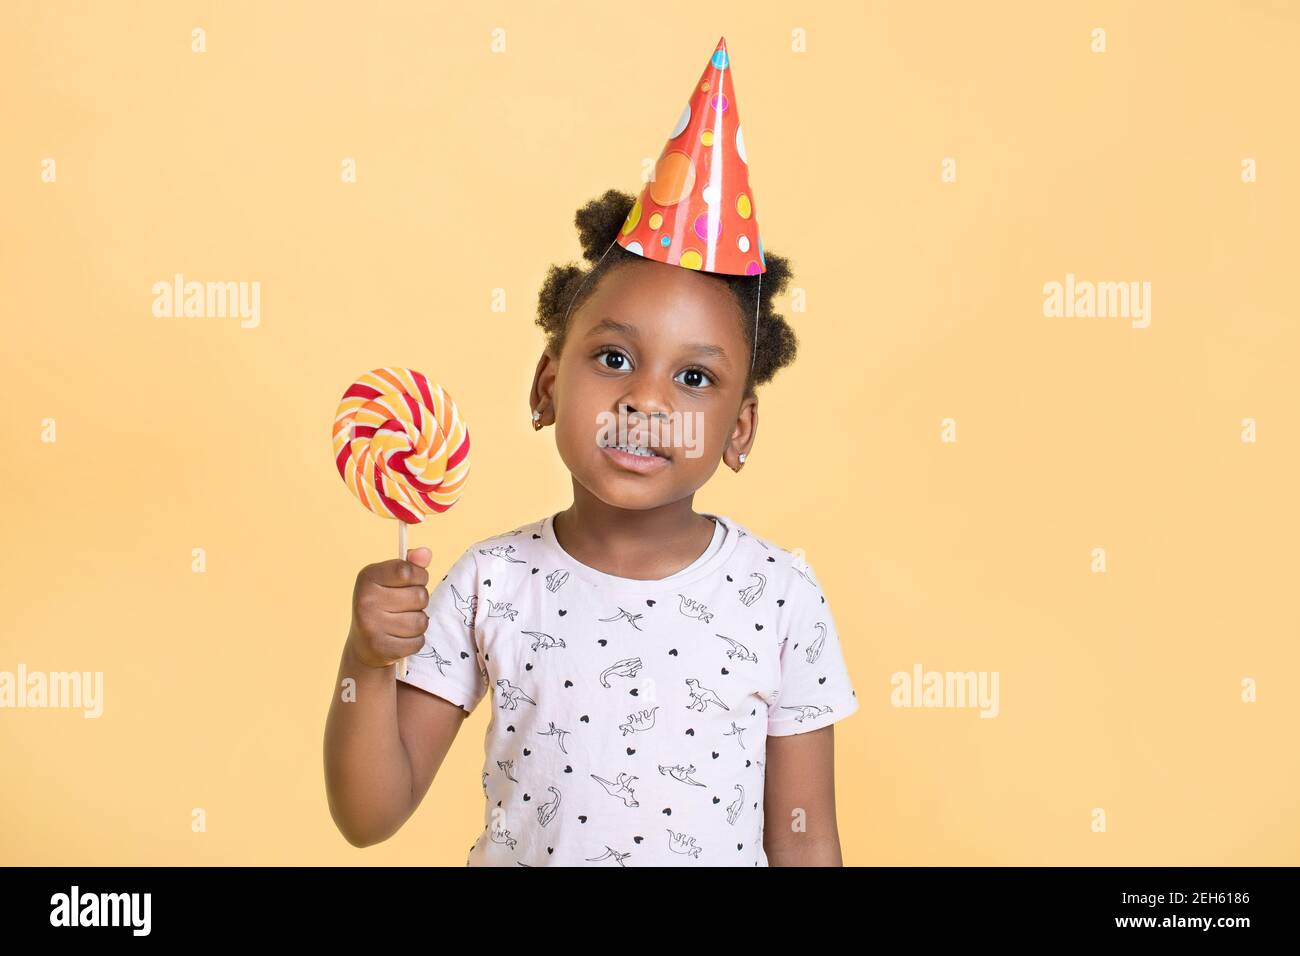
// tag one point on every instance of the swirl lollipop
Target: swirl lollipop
(401, 446)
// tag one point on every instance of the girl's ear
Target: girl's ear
(742, 437)
(539, 397)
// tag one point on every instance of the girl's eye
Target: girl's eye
(616, 361)
(695, 376)
(613, 359)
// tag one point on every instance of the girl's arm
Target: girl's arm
(799, 826)
(384, 742)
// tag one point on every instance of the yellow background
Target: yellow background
(924, 301)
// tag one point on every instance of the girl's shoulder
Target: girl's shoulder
(504, 544)
(787, 565)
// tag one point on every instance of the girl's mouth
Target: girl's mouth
(636, 458)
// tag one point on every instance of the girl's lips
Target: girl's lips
(642, 464)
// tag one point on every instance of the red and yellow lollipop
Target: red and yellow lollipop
(402, 447)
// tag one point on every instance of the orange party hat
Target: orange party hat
(697, 211)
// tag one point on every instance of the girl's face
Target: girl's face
(657, 358)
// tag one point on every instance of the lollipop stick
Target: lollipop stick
(401, 554)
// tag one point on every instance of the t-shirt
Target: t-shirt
(630, 718)
(719, 535)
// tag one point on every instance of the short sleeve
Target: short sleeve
(815, 686)
(450, 664)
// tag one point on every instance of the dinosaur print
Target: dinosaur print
(503, 551)
(554, 731)
(808, 711)
(701, 697)
(627, 667)
(680, 843)
(815, 648)
(694, 609)
(624, 615)
(752, 593)
(555, 580)
(609, 853)
(541, 640)
(546, 811)
(641, 720)
(501, 610)
(499, 834)
(736, 732)
(508, 768)
(739, 650)
(467, 608)
(621, 788)
(805, 572)
(734, 808)
(439, 661)
(681, 774)
(512, 695)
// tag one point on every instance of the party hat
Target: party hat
(697, 211)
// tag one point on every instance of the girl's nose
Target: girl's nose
(645, 407)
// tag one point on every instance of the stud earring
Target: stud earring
(742, 457)
(536, 417)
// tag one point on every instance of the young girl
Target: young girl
(663, 683)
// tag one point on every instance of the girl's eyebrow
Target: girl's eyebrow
(608, 324)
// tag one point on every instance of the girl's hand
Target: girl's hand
(388, 609)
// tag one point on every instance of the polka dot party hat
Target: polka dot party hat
(697, 211)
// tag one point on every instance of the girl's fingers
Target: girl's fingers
(396, 648)
(406, 599)
(406, 624)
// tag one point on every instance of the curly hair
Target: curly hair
(567, 286)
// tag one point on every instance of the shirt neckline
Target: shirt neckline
(612, 582)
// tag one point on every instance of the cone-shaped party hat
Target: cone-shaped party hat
(697, 212)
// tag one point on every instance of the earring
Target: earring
(536, 417)
(742, 457)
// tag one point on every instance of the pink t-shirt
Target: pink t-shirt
(630, 718)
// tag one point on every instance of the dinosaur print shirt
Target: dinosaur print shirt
(629, 719)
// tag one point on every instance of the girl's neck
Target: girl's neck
(643, 545)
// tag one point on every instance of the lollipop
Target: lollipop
(401, 446)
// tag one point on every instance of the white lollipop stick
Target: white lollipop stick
(401, 553)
